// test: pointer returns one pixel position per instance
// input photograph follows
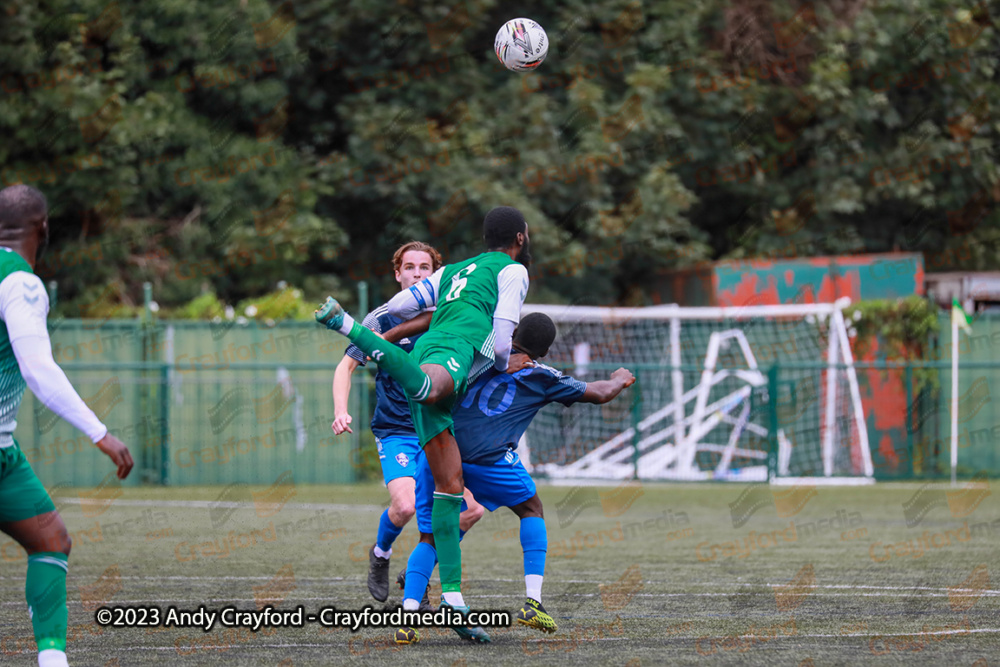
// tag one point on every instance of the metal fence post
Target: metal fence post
(911, 414)
(364, 416)
(636, 418)
(772, 422)
(150, 393)
(164, 423)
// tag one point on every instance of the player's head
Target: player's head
(534, 334)
(24, 216)
(505, 228)
(415, 261)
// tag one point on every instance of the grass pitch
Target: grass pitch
(636, 575)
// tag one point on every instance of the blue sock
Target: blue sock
(534, 542)
(418, 571)
(387, 532)
(465, 506)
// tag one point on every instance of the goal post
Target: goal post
(706, 404)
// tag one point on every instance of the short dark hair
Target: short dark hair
(22, 207)
(501, 227)
(535, 334)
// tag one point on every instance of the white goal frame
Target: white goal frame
(668, 453)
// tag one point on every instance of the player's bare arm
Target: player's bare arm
(418, 325)
(603, 391)
(341, 395)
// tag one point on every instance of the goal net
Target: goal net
(706, 404)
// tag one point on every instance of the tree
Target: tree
(211, 149)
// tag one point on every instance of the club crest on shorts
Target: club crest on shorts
(402, 459)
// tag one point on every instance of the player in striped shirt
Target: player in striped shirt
(398, 446)
(27, 513)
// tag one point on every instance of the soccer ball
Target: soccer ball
(521, 45)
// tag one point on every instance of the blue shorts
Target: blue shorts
(399, 455)
(504, 484)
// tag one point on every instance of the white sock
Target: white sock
(348, 324)
(454, 599)
(383, 554)
(409, 604)
(533, 584)
(52, 657)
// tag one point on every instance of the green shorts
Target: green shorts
(456, 356)
(22, 495)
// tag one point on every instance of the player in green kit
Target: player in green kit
(26, 510)
(478, 304)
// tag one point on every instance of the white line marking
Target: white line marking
(253, 645)
(212, 504)
(354, 580)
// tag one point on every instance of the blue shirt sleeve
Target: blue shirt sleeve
(563, 388)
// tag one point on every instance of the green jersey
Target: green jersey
(12, 384)
(470, 292)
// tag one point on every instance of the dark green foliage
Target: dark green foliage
(906, 326)
(226, 147)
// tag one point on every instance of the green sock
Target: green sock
(444, 521)
(45, 590)
(394, 361)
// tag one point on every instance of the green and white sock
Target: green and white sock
(45, 591)
(346, 325)
(394, 361)
(445, 514)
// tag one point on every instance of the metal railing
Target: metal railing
(203, 403)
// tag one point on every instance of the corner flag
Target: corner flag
(959, 318)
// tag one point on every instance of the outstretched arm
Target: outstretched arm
(414, 300)
(603, 391)
(23, 307)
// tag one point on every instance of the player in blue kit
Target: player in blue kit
(489, 422)
(398, 447)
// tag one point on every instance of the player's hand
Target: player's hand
(342, 423)
(118, 452)
(518, 361)
(624, 376)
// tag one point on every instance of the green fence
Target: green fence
(907, 409)
(208, 403)
(201, 403)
